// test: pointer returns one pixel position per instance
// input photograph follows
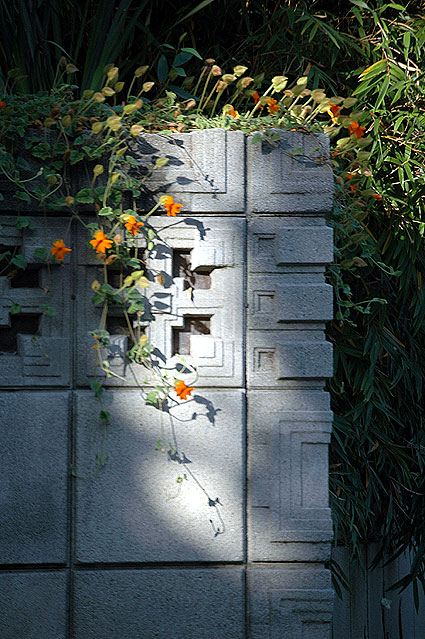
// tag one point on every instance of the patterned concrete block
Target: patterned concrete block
(289, 602)
(33, 499)
(291, 175)
(134, 509)
(197, 312)
(204, 171)
(289, 244)
(34, 347)
(194, 603)
(292, 354)
(274, 299)
(33, 605)
(288, 473)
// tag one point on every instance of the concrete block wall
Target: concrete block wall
(238, 549)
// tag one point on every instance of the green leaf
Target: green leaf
(162, 69)
(198, 7)
(21, 195)
(182, 58)
(24, 223)
(19, 261)
(22, 164)
(182, 93)
(192, 51)
(97, 388)
(15, 309)
(382, 92)
(48, 310)
(75, 156)
(85, 196)
(361, 4)
(105, 416)
(181, 72)
(152, 397)
(107, 211)
(40, 254)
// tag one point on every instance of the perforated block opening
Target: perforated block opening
(20, 324)
(193, 325)
(199, 279)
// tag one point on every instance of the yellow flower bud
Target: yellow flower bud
(66, 121)
(136, 130)
(279, 82)
(239, 70)
(131, 108)
(221, 86)
(140, 71)
(69, 200)
(96, 127)
(98, 169)
(52, 180)
(114, 177)
(215, 70)
(112, 73)
(147, 86)
(99, 97)
(190, 104)
(114, 122)
(108, 91)
(209, 62)
(244, 83)
(119, 86)
(228, 77)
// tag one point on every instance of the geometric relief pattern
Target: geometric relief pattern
(290, 175)
(202, 169)
(303, 244)
(288, 301)
(278, 357)
(303, 616)
(34, 348)
(289, 501)
(290, 602)
(197, 310)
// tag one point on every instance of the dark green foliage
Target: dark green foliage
(378, 447)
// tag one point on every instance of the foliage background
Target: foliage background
(378, 446)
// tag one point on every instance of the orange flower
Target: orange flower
(2, 104)
(376, 196)
(132, 225)
(170, 206)
(182, 390)
(353, 187)
(273, 105)
(256, 99)
(100, 242)
(232, 112)
(333, 111)
(59, 250)
(357, 130)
